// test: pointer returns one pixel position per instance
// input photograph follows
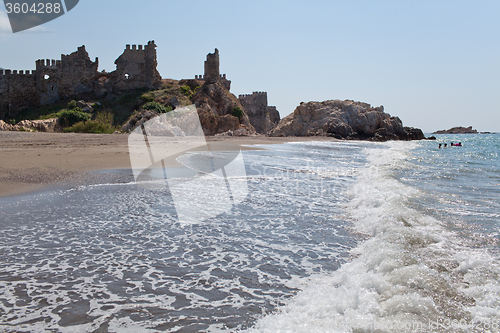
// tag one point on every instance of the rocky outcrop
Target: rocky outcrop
(86, 107)
(138, 119)
(45, 125)
(215, 105)
(344, 120)
(457, 130)
(4, 126)
(413, 133)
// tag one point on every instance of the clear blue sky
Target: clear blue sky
(435, 64)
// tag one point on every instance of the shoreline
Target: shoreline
(32, 161)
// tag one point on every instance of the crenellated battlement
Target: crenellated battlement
(136, 67)
(135, 47)
(22, 73)
(253, 95)
(48, 63)
(75, 74)
(202, 77)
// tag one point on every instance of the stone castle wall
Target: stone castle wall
(17, 90)
(76, 74)
(136, 67)
(212, 71)
(262, 117)
(60, 79)
(256, 102)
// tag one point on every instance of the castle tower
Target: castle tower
(212, 73)
(153, 78)
(136, 68)
(262, 117)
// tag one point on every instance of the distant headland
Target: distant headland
(458, 130)
(71, 95)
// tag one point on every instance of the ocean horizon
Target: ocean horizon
(344, 236)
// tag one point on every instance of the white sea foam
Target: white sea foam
(412, 274)
(115, 256)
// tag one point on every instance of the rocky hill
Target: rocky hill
(457, 130)
(218, 110)
(344, 120)
(214, 103)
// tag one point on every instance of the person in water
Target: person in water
(445, 145)
(440, 146)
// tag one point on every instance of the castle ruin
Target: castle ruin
(76, 74)
(212, 71)
(262, 117)
(136, 68)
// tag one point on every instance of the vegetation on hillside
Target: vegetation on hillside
(110, 111)
(103, 124)
(155, 106)
(237, 112)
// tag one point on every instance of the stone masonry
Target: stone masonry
(76, 74)
(212, 72)
(262, 117)
(136, 68)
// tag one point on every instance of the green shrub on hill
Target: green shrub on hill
(90, 126)
(155, 106)
(147, 97)
(72, 104)
(237, 112)
(70, 117)
(186, 90)
(102, 124)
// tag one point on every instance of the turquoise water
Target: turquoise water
(463, 183)
(430, 262)
(332, 237)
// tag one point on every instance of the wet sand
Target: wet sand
(32, 161)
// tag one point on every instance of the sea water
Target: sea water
(430, 259)
(332, 237)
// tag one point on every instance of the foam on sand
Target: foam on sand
(411, 274)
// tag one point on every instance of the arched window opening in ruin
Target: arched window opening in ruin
(46, 77)
(127, 76)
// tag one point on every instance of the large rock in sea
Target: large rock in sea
(457, 130)
(345, 120)
(215, 105)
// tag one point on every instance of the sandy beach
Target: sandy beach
(32, 161)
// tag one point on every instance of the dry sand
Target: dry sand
(32, 161)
